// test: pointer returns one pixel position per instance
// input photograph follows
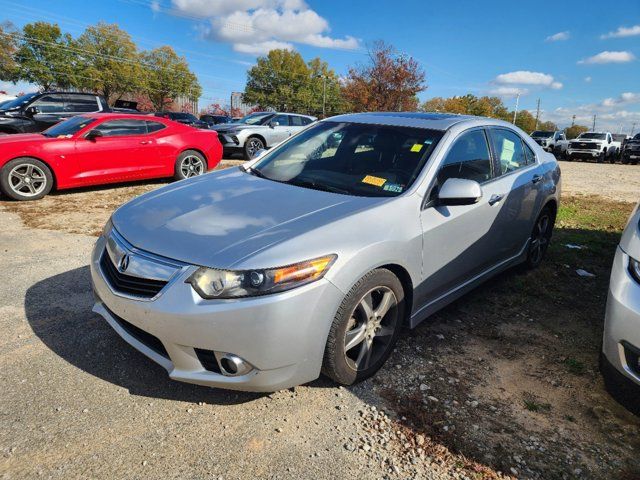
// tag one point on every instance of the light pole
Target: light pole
(324, 94)
(515, 112)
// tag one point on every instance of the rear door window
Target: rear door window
(508, 150)
(81, 104)
(154, 126)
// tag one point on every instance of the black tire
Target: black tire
(36, 183)
(190, 163)
(251, 146)
(624, 160)
(338, 363)
(540, 239)
(601, 158)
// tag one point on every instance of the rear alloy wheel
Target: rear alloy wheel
(365, 328)
(25, 179)
(190, 164)
(252, 146)
(540, 238)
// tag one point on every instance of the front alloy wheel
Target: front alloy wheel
(25, 179)
(252, 146)
(365, 328)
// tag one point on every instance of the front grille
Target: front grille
(208, 360)
(585, 145)
(135, 286)
(143, 337)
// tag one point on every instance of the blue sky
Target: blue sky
(577, 59)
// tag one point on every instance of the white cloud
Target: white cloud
(587, 79)
(256, 26)
(557, 37)
(609, 57)
(623, 32)
(611, 113)
(508, 92)
(525, 77)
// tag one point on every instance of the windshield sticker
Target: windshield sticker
(376, 181)
(508, 149)
(416, 147)
(393, 187)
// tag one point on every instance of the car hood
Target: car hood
(236, 126)
(29, 138)
(220, 218)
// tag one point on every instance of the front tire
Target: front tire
(540, 238)
(190, 163)
(252, 146)
(25, 179)
(365, 328)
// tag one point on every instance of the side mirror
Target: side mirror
(31, 111)
(274, 124)
(93, 134)
(459, 191)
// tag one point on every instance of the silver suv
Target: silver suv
(259, 131)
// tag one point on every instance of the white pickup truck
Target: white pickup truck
(547, 139)
(599, 146)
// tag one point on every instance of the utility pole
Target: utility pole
(324, 96)
(515, 112)
(633, 128)
(594, 123)
(537, 114)
(573, 120)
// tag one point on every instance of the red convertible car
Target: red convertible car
(103, 148)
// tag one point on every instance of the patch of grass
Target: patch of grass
(534, 406)
(593, 213)
(574, 366)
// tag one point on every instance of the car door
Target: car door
(123, 151)
(460, 242)
(519, 182)
(296, 124)
(50, 110)
(280, 129)
(75, 104)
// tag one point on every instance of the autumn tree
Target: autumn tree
(388, 82)
(110, 63)
(45, 56)
(574, 130)
(547, 126)
(167, 77)
(9, 71)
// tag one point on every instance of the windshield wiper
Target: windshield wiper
(316, 186)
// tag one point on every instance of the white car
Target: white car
(599, 146)
(259, 131)
(620, 357)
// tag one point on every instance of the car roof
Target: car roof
(433, 121)
(122, 116)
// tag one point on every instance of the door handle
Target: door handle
(495, 198)
(145, 142)
(536, 178)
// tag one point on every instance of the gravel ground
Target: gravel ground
(615, 182)
(495, 383)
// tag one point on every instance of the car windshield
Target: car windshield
(541, 134)
(593, 136)
(18, 102)
(351, 158)
(68, 128)
(255, 118)
(637, 137)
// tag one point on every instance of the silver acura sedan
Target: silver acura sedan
(620, 358)
(311, 257)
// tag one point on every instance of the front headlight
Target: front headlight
(634, 268)
(212, 283)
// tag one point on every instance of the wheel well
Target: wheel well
(196, 150)
(407, 286)
(256, 135)
(53, 172)
(553, 206)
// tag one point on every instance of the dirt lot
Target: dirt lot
(504, 380)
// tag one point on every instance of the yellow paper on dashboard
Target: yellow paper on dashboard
(371, 180)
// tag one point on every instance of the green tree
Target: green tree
(168, 77)
(9, 71)
(324, 89)
(45, 56)
(388, 82)
(109, 63)
(547, 126)
(575, 130)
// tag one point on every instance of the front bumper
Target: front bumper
(583, 153)
(282, 336)
(621, 339)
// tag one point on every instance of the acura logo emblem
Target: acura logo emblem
(124, 263)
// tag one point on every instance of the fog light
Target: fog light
(232, 365)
